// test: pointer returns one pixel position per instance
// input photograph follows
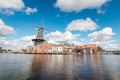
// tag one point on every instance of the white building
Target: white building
(29, 49)
(57, 48)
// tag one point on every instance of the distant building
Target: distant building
(93, 46)
(78, 49)
(29, 49)
(68, 48)
(57, 48)
(89, 48)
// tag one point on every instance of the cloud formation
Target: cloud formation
(82, 25)
(27, 38)
(79, 5)
(100, 11)
(9, 7)
(30, 10)
(59, 37)
(100, 36)
(112, 45)
(11, 4)
(6, 30)
(19, 43)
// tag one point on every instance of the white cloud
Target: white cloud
(82, 25)
(11, 4)
(8, 43)
(103, 35)
(9, 7)
(7, 11)
(109, 45)
(30, 10)
(28, 38)
(78, 5)
(5, 29)
(59, 37)
(100, 11)
(112, 45)
(19, 43)
(103, 38)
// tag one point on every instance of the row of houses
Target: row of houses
(46, 47)
(88, 48)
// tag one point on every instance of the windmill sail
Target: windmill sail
(39, 37)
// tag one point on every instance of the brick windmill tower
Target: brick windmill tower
(40, 44)
(39, 37)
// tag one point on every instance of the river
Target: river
(59, 67)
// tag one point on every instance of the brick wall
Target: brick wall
(44, 47)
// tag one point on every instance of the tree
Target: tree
(24, 50)
(99, 49)
(1, 49)
(9, 50)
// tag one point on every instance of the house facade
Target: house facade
(43, 47)
(87, 49)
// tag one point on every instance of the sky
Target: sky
(76, 22)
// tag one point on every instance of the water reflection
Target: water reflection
(74, 67)
(38, 65)
(59, 67)
(15, 66)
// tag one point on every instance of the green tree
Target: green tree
(1, 49)
(99, 49)
(9, 50)
(24, 50)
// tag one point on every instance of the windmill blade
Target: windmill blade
(40, 27)
(47, 30)
(34, 26)
(42, 23)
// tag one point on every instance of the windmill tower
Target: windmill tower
(39, 38)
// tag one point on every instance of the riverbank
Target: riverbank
(100, 53)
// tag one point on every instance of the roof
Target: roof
(90, 46)
(78, 47)
(86, 46)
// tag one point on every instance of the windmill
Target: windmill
(39, 38)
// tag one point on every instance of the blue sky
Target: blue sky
(98, 22)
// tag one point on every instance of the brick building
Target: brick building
(43, 47)
(89, 48)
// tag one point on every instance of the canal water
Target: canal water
(59, 67)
